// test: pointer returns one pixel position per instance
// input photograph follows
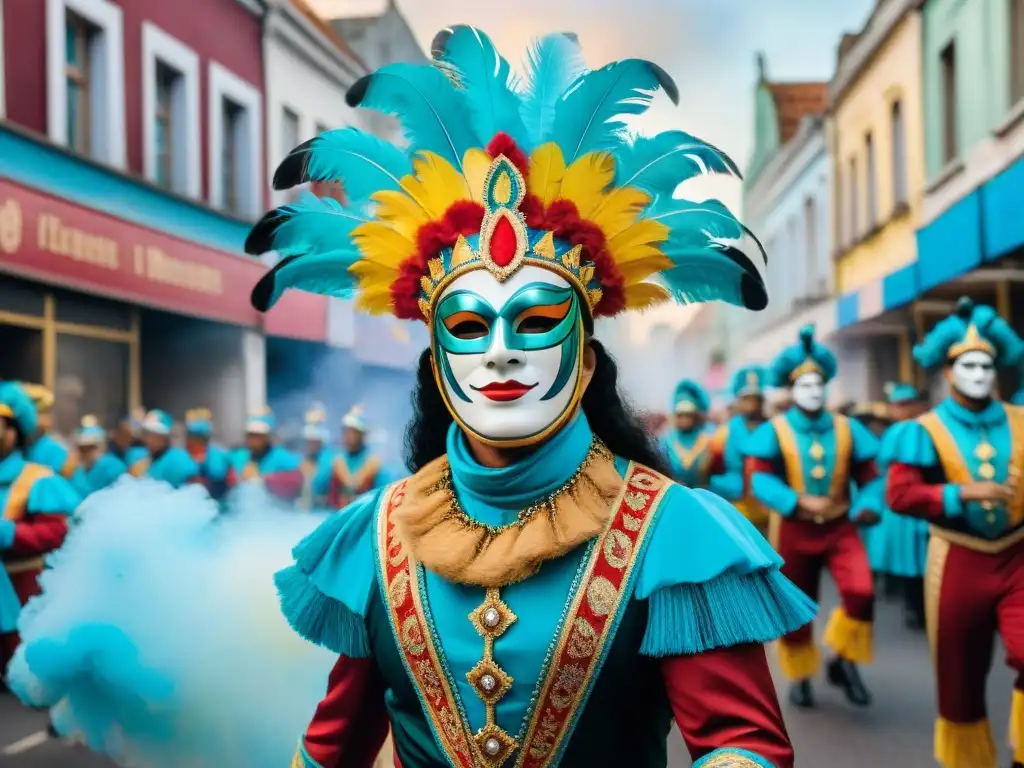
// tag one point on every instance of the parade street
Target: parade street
(895, 733)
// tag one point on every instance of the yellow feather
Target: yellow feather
(375, 303)
(643, 232)
(619, 210)
(644, 296)
(475, 165)
(586, 180)
(435, 184)
(400, 211)
(640, 269)
(379, 243)
(547, 168)
(372, 275)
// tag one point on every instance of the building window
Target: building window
(870, 187)
(289, 131)
(1016, 51)
(947, 74)
(853, 224)
(85, 78)
(76, 56)
(811, 245)
(170, 104)
(236, 154)
(899, 155)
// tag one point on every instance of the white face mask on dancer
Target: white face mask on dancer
(808, 392)
(973, 375)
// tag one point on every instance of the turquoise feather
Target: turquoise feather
(314, 224)
(362, 161)
(323, 273)
(487, 81)
(589, 116)
(661, 163)
(430, 108)
(553, 63)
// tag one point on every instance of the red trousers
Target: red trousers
(26, 585)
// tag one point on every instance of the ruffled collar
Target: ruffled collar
(992, 415)
(10, 467)
(494, 526)
(819, 423)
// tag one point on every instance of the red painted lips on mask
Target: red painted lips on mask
(504, 391)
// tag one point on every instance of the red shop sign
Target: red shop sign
(54, 241)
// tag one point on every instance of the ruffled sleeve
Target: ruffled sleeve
(326, 593)
(52, 495)
(712, 581)
(907, 443)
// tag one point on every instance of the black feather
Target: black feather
(263, 291)
(261, 236)
(292, 170)
(355, 95)
(440, 43)
(666, 82)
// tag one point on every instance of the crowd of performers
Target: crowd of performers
(538, 591)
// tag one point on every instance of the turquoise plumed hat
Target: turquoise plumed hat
(804, 356)
(749, 380)
(315, 424)
(500, 172)
(90, 432)
(354, 419)
(199, 422)
(262, 422)
(17, 405)
(971, 328)
(158, 422)
(897, 392)
(690, 397)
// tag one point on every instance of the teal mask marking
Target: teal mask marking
(566, 332)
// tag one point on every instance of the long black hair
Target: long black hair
(611, 417)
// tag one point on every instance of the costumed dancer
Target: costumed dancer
(126, 438)
(356, 468)
(97, 467)
(214, 461)
(264, 461)
(803, 466)
(727, 477)
(43, 447)
(687, 445)
(317, 463)
(35, 504)
(534, 509)
(958, 467)
(164, 461)
(875, 418)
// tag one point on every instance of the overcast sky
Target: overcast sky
(708, 46)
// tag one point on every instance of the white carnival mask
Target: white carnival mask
(808, 392)
(974, 375)
(508, 356)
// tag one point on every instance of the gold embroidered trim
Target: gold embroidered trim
(16, 504)
(840, 487)
(447, 542)
(730, 760)
(934, 570)
(687, 456)
(791, 459)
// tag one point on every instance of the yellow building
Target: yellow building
(876, 143)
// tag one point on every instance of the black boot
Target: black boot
(844, 674)
(801, 694)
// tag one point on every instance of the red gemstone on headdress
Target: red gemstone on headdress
(503, 242)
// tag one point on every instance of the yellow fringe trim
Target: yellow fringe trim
(1017, 726)
(439, 534)
(799, 662)
(964, 745)
(849, 638)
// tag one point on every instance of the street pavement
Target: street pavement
(895, 733)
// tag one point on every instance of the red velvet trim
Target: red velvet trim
(503, 144)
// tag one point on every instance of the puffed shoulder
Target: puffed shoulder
(712, 581)
(53, 495)
(762, 443)
(907, 443)
(326, 593)
(865, 444)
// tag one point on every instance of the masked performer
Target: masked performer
(687, 445)
(318, 461)
(802, 466)
(958, 467)
(727, 445)
(97, 467)
(35, 504)
(537, 593)
(264, 461)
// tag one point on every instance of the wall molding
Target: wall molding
(223, 83)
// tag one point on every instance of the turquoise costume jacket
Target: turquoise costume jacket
(106, 471)
(48, 494)
(699, 572)
(50, 452)
(277, 459)
(818, 469)
(689, 456)
(899, 545)
(729, 484)
(316, 471)
(173, 466)
(986, 445)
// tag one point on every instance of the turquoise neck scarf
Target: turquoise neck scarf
(991, 415)
(495, 496)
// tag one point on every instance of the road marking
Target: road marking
(30, 742)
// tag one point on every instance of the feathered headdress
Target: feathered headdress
(500, 173)
(898, 392)
(972, 328)
(806, 356)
